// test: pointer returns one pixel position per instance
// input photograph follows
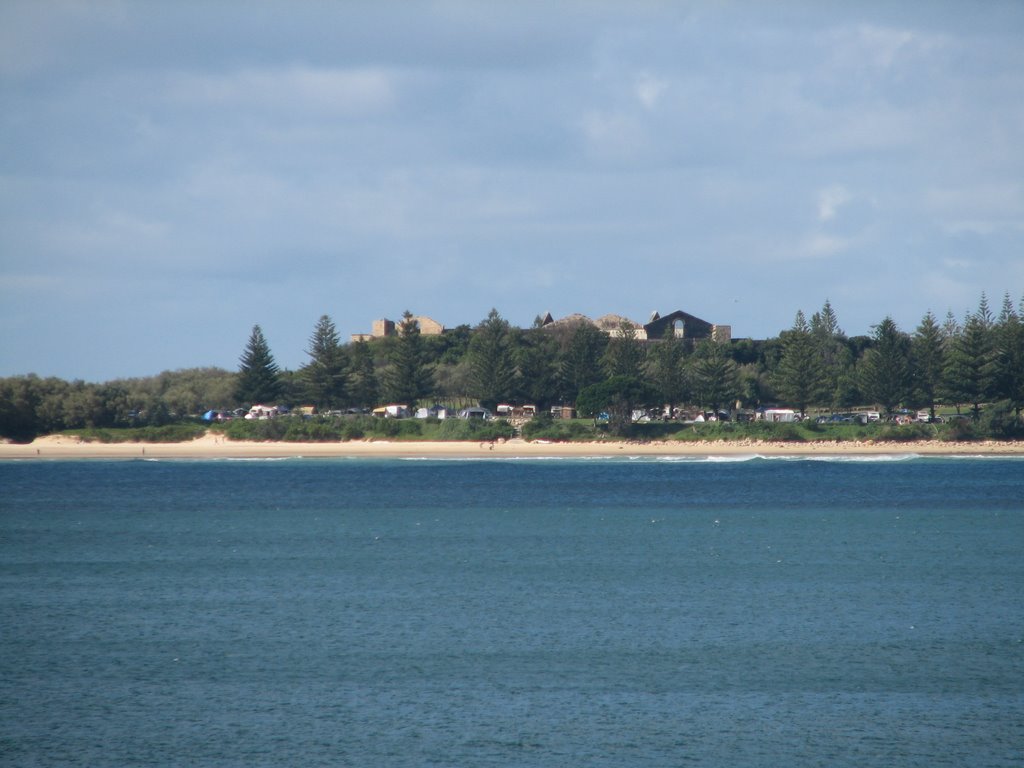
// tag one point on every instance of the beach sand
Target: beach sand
(213, 446)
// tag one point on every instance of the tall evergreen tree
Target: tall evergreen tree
(665, 370)
(830, 341)
(580, 365)
(950, 330)
(1007, 311)
(801, 378)
(927, 356)
(969, 371)
(624, 354)
(885, 368)
(1009, 356)
(492, 373)
(984, 314)
(324, 377)
(408, 379)
(714, 374)
(363, 387)
(536, 360)
(258, 375)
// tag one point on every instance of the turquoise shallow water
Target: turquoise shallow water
(529, 613)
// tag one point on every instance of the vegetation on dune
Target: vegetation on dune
(168, 433)
(972, 368)
(336, 429)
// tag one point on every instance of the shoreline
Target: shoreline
(211, 446)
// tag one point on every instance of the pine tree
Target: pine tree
(831, 343)
(885, 368)
(714, 374)
(580, 365)
(407, 379)
(362, 385)
(492, 373)
(624, 354)
(928, 358)
(666, 373)
(324, 376)
(535, 358)
(258, 375)
(950, 330)
(1009, 356)
(969, 371)
(984, 314)
(801, 377)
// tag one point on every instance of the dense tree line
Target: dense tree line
(812, 364)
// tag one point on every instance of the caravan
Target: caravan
(780, 415)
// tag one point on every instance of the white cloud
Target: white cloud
(830, 200)
(345, 91)
(648, 89)
(822, 246)
(982, 208)
(613, 135)
(880, 48)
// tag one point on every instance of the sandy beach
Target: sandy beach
(213, 446)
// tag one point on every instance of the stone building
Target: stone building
(384, 327)
(675, 325)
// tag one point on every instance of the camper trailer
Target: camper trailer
(780, 415)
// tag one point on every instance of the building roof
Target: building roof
(614, 322)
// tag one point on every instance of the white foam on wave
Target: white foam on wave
(492, 458)
(259, 459)
(984, 456)
(736, 458)
(708, 458)
(618, 459)
(209, 459)
(837, 458)
(858, 458)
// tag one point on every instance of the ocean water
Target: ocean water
(512, 612)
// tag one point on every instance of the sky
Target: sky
(174, 173)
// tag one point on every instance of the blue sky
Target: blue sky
(173, 173)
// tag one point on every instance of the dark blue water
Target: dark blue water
(512, 613)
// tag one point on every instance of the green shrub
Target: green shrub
(312, 431)
(560, 430)
(901, 433)
(474, 429)
(1000, 421)
(256, 430)
(727, 430)
(410, 428)
(539, 422)
(961, 430)
(168, 433)
(352, 431)
(387, 427)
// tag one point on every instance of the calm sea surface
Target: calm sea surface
(512, 613)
